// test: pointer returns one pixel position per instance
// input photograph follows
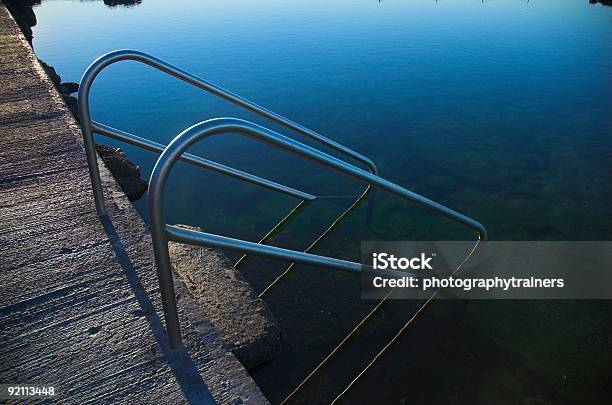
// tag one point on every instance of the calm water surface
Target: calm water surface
(499, 109)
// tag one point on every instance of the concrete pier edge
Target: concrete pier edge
(79, 300)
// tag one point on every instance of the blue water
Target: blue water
(499, 109)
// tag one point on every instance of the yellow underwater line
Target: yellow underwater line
(272, 232)
(408, 323)
(320, 238)
(360, 324)
(333, 352)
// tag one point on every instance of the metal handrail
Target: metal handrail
(198, 161)
(88, 127)
(162, 233)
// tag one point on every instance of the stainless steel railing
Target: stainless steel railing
(162, 233)
(89, 127)
(198, 161)
(175, 150)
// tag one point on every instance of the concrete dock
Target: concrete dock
(79, 298)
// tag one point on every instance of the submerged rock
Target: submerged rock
(50, 71)
(123, 170)
(68, 87)
(56, 79)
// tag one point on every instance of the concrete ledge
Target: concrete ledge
(228, 300)
(79, 298)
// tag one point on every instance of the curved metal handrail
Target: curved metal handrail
(162, 233)
(88, 127)
(112, 57)
(198, 161)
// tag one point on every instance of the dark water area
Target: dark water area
(499, 109)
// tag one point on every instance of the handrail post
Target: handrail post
(162, 262)
(88, 141)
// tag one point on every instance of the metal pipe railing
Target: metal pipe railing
(198, 161)
(162, 233)
(88, 127)
(112, 57)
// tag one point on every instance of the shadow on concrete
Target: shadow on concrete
(182, 365)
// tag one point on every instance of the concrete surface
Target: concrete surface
(229, 302)
(79, 299)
